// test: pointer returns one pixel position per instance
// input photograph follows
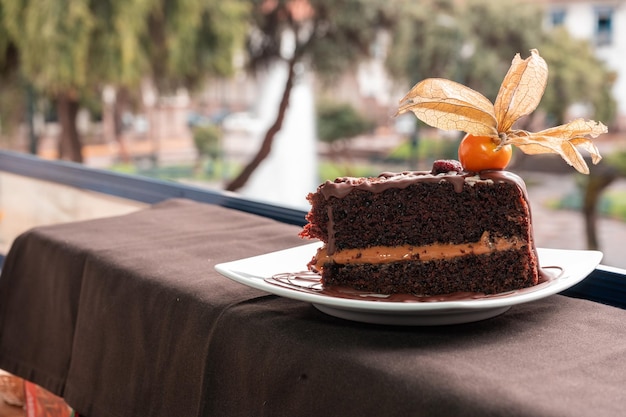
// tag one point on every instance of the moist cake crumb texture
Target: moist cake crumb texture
(424, 211)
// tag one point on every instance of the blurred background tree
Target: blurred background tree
(329, 37)
(474, 43)
(338, 124)
(206, 139)
(340, 121)
(70, 49)
(12, 103)
(576, 76)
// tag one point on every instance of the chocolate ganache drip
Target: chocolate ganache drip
(344, 185)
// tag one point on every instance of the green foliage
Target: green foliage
(116, 41)
(617, 160)
(330, 170)
(614, 204)
(473, 42)
(187, 39)
(576, 76)
(52, 38)
(180, 173)
(340, 121)
(70, 45)
(611, 203)
(497, 31)
(347, 31)
(4, 42)
(12, 106)
(207, 140)
(427, 149)
(335, 37)
(70, 49)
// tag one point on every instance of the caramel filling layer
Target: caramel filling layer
(387, 254)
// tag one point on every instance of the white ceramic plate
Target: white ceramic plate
(257, 272)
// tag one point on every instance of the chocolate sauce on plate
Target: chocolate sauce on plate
(311, 282)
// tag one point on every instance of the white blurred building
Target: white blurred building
(603, 23)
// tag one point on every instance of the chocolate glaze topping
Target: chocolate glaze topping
(344, 185)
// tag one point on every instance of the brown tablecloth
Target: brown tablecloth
(126, 316)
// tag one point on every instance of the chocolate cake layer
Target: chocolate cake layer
(425, 233)
(417, 209)
(488, 274)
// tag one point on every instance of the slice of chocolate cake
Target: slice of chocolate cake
(425, 233)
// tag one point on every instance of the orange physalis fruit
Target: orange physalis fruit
(479, 153)
(448, 105)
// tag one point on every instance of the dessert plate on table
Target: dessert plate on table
(280, 273)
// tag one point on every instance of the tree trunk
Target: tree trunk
(118, 110)
(268, 140)
(70, 147)
(596, 183)
(33, 138)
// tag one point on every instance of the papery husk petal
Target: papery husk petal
(573, 157)
(535, 144)
(577, 128)
(448, 105)
(590, 147)
(562, 140)
(521, 90)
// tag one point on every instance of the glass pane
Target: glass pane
(26, 202)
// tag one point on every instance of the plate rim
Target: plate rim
(232, 271)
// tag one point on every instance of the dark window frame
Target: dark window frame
(604, 21)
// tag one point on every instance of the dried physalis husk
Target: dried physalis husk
(448, 105)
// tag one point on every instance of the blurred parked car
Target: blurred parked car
(195, 119)
(242, 122)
